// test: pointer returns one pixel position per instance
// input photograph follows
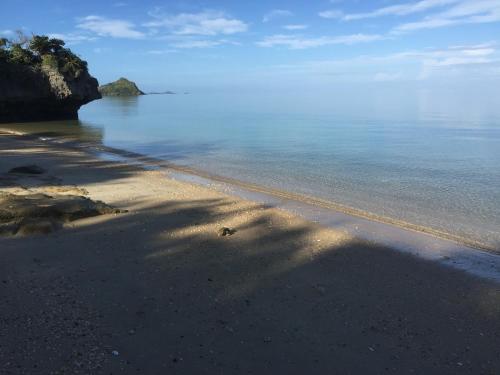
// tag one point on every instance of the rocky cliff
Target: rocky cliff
(28, 94)
(45, 87)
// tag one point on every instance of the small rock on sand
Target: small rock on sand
(225, 231)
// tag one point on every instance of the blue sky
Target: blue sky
(185, 45)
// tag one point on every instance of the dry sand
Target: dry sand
(155, 290)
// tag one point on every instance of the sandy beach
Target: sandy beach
(154, 289)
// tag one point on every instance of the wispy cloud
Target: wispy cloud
(295, 27)
(276, 13)
(161, 51)
(400, 9)
(7, 33)
(440, 13)
(197, 44)
(483, 59)
(72, 38)
(207, 23)
(331, 14)
(298, 42)
(464, 12)
(460, 55)
(108, 27)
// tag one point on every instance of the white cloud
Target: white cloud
(480, 59)
(101, 50)
(464, 55)
(71, 38)
(453, 55)
(191, 43)
(295, 27)
(114, 28)
(161, 51)
(331, 14)
(297, 42)
(205, 23)
(7, 33)
(464, 12)
(400, 9)
(276, 13)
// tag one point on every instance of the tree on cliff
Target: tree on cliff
(41, 51)
(41, 79)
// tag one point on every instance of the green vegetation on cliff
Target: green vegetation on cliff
(121, 87)
(40, 52)
(41, 80)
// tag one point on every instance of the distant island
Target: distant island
(125, 87)
(121, 87)
(40, 80)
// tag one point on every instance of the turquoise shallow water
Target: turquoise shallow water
(424, 157)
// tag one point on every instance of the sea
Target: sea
(429, 157)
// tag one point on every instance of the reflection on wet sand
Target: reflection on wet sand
(67, 129)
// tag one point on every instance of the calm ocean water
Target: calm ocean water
(424, 157)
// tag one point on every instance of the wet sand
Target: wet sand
(156, 290)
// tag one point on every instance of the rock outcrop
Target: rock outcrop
(37, 94)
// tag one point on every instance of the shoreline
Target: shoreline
(426, 243)
(148, 161)
(155, 289)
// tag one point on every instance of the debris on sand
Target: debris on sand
(225, 231)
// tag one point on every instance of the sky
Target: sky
(195, 44)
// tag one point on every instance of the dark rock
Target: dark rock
(28, 169)
(224, 231)
(37, 94)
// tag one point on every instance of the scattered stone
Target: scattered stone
(225, 231)
(28, 169)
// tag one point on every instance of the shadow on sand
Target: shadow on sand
(170, 298)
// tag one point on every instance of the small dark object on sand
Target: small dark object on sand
(225, 231)
(28, 169)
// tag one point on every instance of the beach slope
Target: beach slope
(155, 289)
